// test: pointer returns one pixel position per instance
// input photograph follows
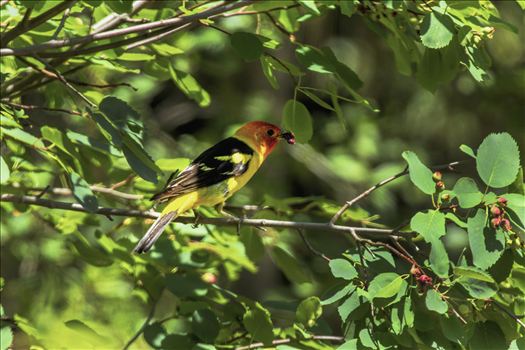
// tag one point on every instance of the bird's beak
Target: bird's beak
(288, 136)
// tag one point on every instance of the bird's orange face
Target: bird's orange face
(264, 135)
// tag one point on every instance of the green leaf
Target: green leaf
(154, 334)
(4, 171)
(205, 325)
(343, 292)
(488, 336)
(246, 45)
(478, 288)
(486, 244)
(310, 5)
(188, 285)
(437, 30)
(139, 160)
(349, 306)
(430, 224)
(189, 86)
(22, 136)
(498, 160)
(123, 117)
(316, 99)
(420, 175)
(308, 311)
(82, 192)
(348, 7)
(268, 70)
(89, 253)
(297, 119)
(6, 338)
(84, 329)
(258, 323)
(438, 258)
(521, 3)
(467, 150)
(349, 344)
(385, 285)
(452, 217)
(467, 192)
(289, 265)
(314, 59)
(439, 66)
(342, 268)
(472, 272)
(516, 203)
(434, 302)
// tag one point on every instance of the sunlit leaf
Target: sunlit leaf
(498, 160)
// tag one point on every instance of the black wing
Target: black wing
(214, 165)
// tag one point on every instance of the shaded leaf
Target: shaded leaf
(189, 285)
(23, 136)
(488, 336)
(246, 45)
(289, 265)
(341, 293)
(189, 86)
(82, 192)
(205, 325)
(258, 323)
(308, 311)
(486, 244)
(434, 302)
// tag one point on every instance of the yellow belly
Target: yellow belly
(215, 194)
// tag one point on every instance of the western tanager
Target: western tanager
(215, 175)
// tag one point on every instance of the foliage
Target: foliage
(70, 126)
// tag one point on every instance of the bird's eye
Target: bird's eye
(270, 132)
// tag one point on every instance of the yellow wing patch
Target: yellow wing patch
(236, 158)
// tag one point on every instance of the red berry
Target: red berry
(440, 185)
(506, 225)
(495, 210)
(416, 271)
(209, 277)
(496, 222)
(425, 280)
(502, 201)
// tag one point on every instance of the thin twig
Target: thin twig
(222, 221)
(510, 314)
(26, 25)
(33, 107)
(310, 247)
(140, 28)
(158, 36)
(144, 325)
(63, 20)
(61, 78)
(364, 194)
(333, 338)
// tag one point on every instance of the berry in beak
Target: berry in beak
(288, 136)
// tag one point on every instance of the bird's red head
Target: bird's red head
(263, 136)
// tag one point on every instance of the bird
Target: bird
(215, 175)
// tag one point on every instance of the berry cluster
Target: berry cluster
(498, 213)
(440, 185)
(422, 279)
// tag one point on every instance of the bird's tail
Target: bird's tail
(154, 232)
(172, 210)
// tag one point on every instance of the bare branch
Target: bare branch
(332, 338)
(33, 107)
(364, 194)
(140, 28)
(25, 26)
(375, 233)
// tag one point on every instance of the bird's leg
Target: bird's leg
(197, 218)
(220, 208)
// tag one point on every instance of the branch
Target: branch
(286, 341)
(140, 28)
(223, 221)
(510, 314)
(351, 202)
(25, 26)
(33, 107)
